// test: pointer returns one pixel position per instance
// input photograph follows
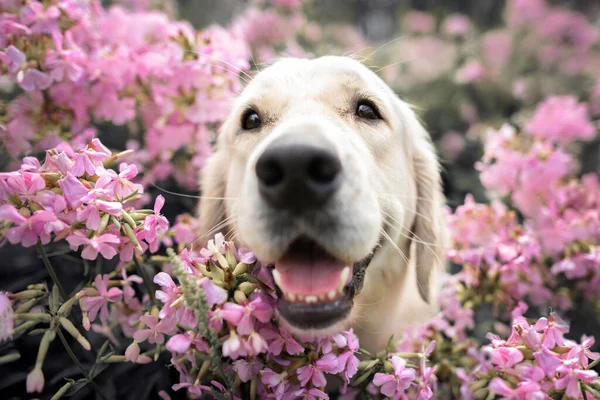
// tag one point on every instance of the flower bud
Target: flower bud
(115, 221)
(247, 287)
(127, 218)
(35, 381)
(69, 327)
(131, 235)
(240, 269)
(103, 224)
(240, 297)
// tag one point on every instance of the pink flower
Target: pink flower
(582, 351)
(398, 382)
(155, 333)
(305, 394)
(471, 72)
(547, 361)
(33, 79)
(185, 229)
(214, 294)
(311, 373)
(418, 22)
(244, 316)
(155, 224)
(40, 18)
(132, 354)
(524, 390)
(280, 339)
(214, 247)
(93, 305)
(561, 119)
(179, 343)
(6, 317)
(348, 362)
(105, 244)
(247, 369)
(506, 357)
(73, 190)
(274, 381)
(570, 378)
(233, 346)
(91, 212)
(26, 230)
(90, 158)
(13, 58)
(255, 344)
(26, 185)
(456, 25)
(168, 294)
(120, 185)
(554, 330)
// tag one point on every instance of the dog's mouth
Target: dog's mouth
(315, 289)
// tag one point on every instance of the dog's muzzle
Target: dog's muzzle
(298, 176)
(314, 290)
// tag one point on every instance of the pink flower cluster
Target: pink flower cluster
(73, 196)
(537, 360)
(81, 64)
(240, 304)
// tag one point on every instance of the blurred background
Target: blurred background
(411, 45)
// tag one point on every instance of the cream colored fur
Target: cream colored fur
(391, 184)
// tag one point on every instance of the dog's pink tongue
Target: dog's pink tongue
(309, 277)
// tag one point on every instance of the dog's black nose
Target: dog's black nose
(298, 172)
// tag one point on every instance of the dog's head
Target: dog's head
(319, 164)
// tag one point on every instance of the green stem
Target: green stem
(51, 271)
(594, 363)
(146, 279)
(78, 363)
(61, 392)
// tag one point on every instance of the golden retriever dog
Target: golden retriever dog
(330, 179)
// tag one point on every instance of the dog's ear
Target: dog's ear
(211, 208)
(429, 229)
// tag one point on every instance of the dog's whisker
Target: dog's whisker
(231, 232)
(403, 196)
(416, 238)
(234, 72)
(353, 55)
(241, 71)
(254, 62)
(392, 64)
(382, 47)
(192, 196)
(213, 229)
(218, 226)
(394, 245)
(373, 304)
(414, 211)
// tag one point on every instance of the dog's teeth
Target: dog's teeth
(311, 299)
(291, 296)
(277, 277)
(331, 294)
(345, 274)
(343, 278)
(300, 298)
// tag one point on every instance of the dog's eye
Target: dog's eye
(251, 120)
(367, 110)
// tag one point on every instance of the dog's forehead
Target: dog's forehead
(324, 70)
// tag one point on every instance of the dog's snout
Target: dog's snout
(298, 172)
